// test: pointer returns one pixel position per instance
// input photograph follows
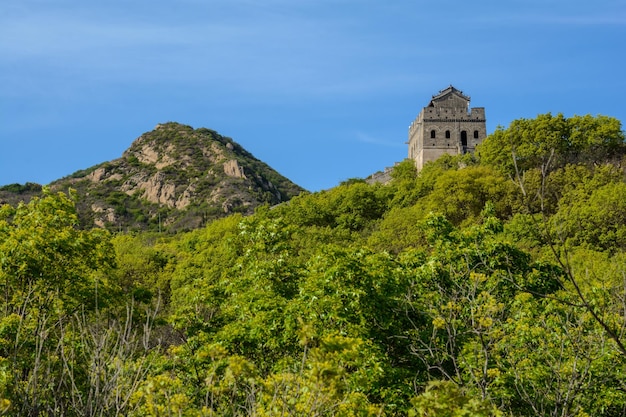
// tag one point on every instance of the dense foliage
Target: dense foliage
(483, 286)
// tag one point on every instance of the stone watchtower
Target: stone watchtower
(446, 126)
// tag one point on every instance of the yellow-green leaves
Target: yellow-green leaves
(446, 399)
(329, 384)
(550, 142)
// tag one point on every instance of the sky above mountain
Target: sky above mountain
(320, 90)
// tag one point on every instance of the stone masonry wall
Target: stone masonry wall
(446, 126)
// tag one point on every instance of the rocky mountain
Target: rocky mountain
(172, 178)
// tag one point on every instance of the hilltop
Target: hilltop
(174, 177)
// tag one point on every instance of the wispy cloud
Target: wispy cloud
(374, 140)
(585, 20)
(547, 16)
(274, 48)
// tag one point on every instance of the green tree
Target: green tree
(460, 297)
(329, 383)
(204, 257)
(460, 195)
(399, 230)
(597, 220)
(49, 272)
(554, 359)
(549, 142)
(446, 399)
(352, 206)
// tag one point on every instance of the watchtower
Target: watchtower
(446, 126)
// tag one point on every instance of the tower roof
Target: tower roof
(445, 93)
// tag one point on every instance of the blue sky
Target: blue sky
(320, 90)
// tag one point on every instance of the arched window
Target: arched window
(447, 134)
(475, 134)
(432, 134)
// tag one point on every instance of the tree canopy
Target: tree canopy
(489, 285)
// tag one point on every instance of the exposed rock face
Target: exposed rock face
(233, 169)
(147, 155)
(158, 190)
(179, 175)
(160, 159)
(97, 175)
(104, 215)
(186, 197)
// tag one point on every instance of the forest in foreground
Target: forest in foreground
(491, 284)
